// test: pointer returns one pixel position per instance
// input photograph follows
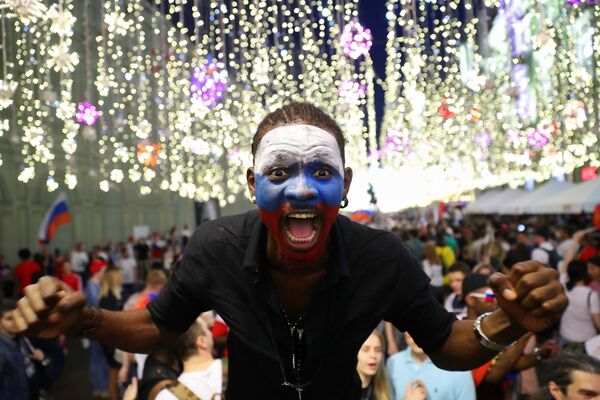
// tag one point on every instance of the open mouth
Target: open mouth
(302, 228)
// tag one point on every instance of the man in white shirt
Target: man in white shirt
(543, 246)
(128, 267)
(202, 374)
(79, 259)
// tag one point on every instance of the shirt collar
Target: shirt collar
(338, 266)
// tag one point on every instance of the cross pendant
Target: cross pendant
(299, 390)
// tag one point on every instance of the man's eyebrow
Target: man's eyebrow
(588, 392)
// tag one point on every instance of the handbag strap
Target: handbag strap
(181, 391)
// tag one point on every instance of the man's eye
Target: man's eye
(277, 173)
(322, 173)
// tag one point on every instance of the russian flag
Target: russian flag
(57, 215)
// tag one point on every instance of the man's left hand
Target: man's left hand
(531, 295)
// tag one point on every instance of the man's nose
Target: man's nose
(299, 189)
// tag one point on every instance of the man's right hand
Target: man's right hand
(48, 309)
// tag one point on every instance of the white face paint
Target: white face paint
(290, 144)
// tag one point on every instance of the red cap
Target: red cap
(97, 265)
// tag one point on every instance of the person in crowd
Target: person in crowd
(593, 268)
(581, 319)
(18, 375)
(70, 278)
(25, 270)
(413, 364)
(157, 248)
(98, 366)
(565, 237)
(142, 255)
(111, 299)
(128, 267)
(454, 302)
(79, 261)
(219, 331)
(444, 250)
(544, 250)
(484, 269)
(7, 282)
(571, 376)
(371, 370)
(432, 265)
(493, 255)
(489, 377)
(300, 286)
(414, 244)
(155, 281)
(202, 374)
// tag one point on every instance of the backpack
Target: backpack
(553, 257)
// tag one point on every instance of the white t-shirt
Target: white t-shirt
(541, 255)
(576, 324)
(79, 261)
(128, 268)
(204, 384)
(434, 272)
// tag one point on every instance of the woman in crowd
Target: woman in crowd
(110, 299)
(370, 368)
(432, 265)
(581, 319)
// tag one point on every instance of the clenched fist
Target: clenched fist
(530, 295)
(48, 309)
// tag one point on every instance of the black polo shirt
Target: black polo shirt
(371, 277)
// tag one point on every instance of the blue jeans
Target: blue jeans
(98, 367)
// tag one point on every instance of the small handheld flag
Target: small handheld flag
(57, 215)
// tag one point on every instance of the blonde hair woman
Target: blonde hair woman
(370, 368)
(110, 299)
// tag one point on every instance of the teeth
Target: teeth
(301, 240)
(302, 215)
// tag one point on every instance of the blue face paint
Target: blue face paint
(299, 186)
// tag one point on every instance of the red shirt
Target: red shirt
(73, 280)
(23, 272)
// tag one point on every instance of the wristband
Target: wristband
(484, 340)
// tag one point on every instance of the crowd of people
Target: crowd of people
(298, 289)
(457, 258)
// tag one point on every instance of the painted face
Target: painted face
(299, 183)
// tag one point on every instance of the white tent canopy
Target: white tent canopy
(582, 197)
(493, 206)
(526, 204)
(475, 206)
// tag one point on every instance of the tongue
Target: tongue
(300, 228)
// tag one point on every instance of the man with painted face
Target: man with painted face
(300, 286)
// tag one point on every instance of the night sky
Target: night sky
(372, 15)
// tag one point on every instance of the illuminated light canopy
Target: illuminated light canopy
(356, 40)
(62, 21)
(117, 23)
(483, 139)
(538, 138)
(27, 10)
(148, 154)
(397, 140)
(208, 84)
(575, 115)
(86, 113)
(351, 91)
(7, 89)
(61, 59)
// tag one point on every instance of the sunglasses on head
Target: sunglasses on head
(488, 296)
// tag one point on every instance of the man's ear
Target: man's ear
(347, 180)
(555, 391)
(251, 182)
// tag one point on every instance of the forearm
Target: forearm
(131, 331)
(462, 350)
(526, 361)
